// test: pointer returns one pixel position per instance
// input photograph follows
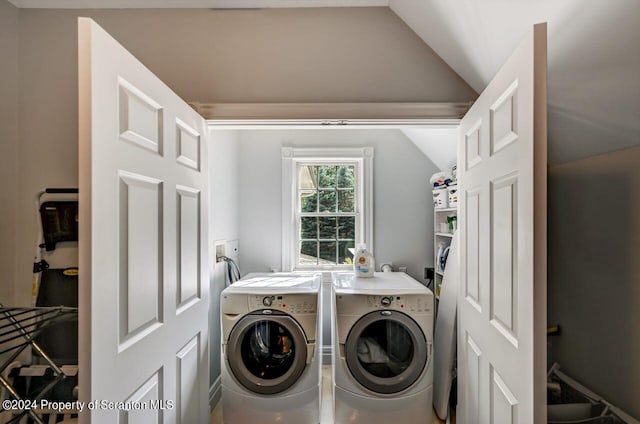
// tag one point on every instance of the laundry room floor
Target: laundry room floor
(326, 416)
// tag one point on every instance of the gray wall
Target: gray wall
(268, 55)
(594, 273)
(223, 225)
(275, 55)
(403, 210)
(9, 81)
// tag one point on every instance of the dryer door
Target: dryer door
(386, 351)
(267, 353)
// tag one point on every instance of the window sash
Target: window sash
(357, 206)
(294, 157)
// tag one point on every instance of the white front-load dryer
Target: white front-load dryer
(382, 349)
(271, 369)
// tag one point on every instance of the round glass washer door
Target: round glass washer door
(386, 351)
(267, 353)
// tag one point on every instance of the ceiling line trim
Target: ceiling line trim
(338, 114)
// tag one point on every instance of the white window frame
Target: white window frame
(362, 157)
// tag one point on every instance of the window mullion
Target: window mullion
(317, 240)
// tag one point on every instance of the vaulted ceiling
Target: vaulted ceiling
(593, 60)
(593, 54)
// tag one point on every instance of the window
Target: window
(326, 214)
(326, 206)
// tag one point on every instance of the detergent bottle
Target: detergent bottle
(363, 262)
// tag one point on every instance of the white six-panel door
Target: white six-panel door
(143, 250)
(502, 299)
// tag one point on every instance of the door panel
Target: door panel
(472, 147)
(503, 402)
(502, 182)
(188, 145)
(472, 263)
(503, 119)
(188, 253)
(143, 280)
(473, 381)
(140, 233)
(188, 374)
(149, 392)
(139, 117)
(504, 244)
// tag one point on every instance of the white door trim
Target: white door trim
(255, 116)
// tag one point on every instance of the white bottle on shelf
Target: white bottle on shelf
(363, 262)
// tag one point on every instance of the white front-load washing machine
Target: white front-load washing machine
(382, 349)
(271, 333)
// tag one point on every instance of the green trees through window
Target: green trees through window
(327, 214)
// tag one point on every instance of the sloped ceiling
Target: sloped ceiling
(438, 144)
(593, 54)
(593, 59)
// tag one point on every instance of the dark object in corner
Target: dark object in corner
(59, 222)
(59, 287)
(553, 330)
(429, 273)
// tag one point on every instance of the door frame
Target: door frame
(391, 116)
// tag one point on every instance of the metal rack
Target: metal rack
(565, 391)
(19, 329)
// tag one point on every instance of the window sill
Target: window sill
(321, 268)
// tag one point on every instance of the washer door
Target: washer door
(267, 353)
(386, 351)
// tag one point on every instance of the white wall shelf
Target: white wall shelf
(440, 238)
(446, 210)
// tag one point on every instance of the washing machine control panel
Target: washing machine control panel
(410, 303)
(289, 303)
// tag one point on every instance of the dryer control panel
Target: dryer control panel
(407, 303)
(289, 303)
